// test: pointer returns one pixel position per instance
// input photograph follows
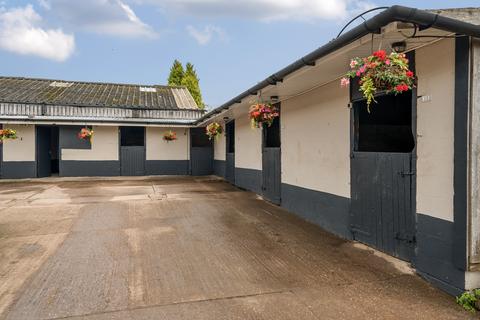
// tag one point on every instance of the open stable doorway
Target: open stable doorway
(383, 167)
(230, 151)
(271, 161)
(47, 150)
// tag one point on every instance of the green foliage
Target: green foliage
(186, 77)
(176, 74)
(191, 81)
(469, 299)
(368, 88)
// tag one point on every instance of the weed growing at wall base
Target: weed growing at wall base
(470, 300)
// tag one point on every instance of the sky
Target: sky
(233, 43)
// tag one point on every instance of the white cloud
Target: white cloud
(266, 10)
(110, 17)
(44, 4)
(21, 32)
(205, 35)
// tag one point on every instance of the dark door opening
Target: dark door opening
(55, 150)
(230, 152)
(201, 153)
(132, 151)
(1, 156)
(383, 174)
(271, 162)
(47, 151)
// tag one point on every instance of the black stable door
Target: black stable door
(132, 151)
(383, 174)
(271, 162)
(201, 153)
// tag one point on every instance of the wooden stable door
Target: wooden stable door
(271, 162)
(383, 175)
(201, 153)
(132, 151)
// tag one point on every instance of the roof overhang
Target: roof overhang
(356, 42)
(98, 121)
(41, 113)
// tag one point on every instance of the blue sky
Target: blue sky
(232, 43)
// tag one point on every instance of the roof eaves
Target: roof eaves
(392, 14)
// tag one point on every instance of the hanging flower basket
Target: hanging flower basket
(86, 134)
(381, 72)
(170, 136)
(262, 113)
(213, 130)
(7, 134)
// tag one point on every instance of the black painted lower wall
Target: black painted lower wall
(249, 179)
(435, 252)
(72, 168)
(331, 212)
(19, 169)
(219, 168)
(167, 167)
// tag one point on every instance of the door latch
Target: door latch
(404, 174)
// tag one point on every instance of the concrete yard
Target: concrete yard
(186, 248)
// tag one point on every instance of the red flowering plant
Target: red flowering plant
(381, 72)
(213, 130)
(6, 134)
(262, 113)
(170, 136)
(86, 134)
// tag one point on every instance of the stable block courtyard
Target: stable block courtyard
(188, 248)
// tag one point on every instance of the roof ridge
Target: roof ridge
(94, 82)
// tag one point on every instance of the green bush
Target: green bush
(468, 300)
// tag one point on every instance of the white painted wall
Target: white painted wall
(104, 147)
(435, 128)
(158, 149)
(220, 146)
(315, 133)
(248, 144)
(23, 148)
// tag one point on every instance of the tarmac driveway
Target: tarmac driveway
(185, 248)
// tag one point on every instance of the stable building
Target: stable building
(128, 121)
(403, 178)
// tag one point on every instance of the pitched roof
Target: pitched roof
(92, 94)
(461, 21)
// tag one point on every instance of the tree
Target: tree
(191, 81)
(176, 74)
(186, 77)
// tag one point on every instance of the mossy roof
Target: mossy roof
(94, 94)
